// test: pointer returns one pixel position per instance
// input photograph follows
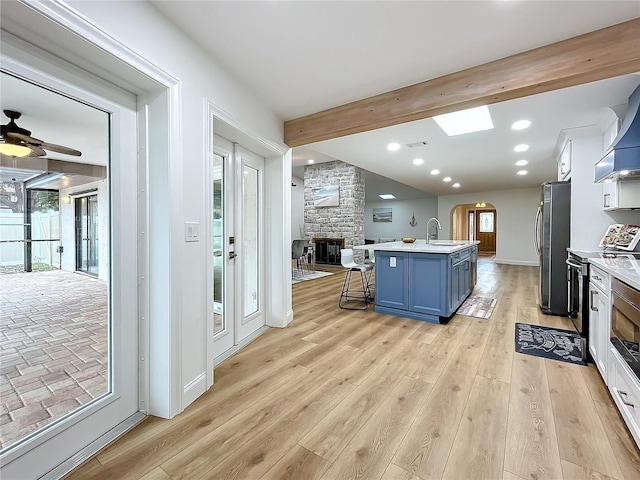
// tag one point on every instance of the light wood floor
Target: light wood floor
(351, 394)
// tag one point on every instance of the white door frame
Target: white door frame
(65, 437)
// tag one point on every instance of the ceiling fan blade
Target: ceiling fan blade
(60, 149)
(24, 138)
(36, 151)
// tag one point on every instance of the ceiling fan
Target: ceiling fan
(18, 142)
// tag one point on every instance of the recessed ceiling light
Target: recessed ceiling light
(608, 180)
(624, 172)
(521, 124)
(521, 163)
(311, 160)
(387, 196)
(522, 172)
(521, 148)
(435, 171)
(393, 146)
(456, 185)
(446, 179)
(418, 161)
(465, 121)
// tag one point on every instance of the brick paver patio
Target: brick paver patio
(53, 348)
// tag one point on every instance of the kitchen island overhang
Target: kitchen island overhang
(426, 282)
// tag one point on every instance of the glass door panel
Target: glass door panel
(219, 322)
(251, 240)
(87, 227)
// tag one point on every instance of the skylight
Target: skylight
(465, 121)
(387, 196)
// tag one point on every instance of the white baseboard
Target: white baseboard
(194, 389)
(517, 262)
(289, 317)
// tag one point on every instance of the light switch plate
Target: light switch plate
(191, 231)
(392, 261)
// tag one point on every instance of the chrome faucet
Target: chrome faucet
(428, 223)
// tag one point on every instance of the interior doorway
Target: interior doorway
(476, 221)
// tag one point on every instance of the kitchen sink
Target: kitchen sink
(443, 243)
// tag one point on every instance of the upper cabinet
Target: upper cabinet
(564, 162)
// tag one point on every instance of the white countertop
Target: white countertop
(623, 268)
(420, 246)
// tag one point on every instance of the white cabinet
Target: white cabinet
(564, 162)
(623, 194)
(625, 391)
(599, 319)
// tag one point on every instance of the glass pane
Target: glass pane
(54, 321)
(486, 222)
(250, 240)
(93, 230)
(219, 324)
(472, 226)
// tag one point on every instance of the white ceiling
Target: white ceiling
(304, 57)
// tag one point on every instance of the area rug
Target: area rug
(547, 342)
(298, 277)
(479, 307)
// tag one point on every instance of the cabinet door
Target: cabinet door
(466, 275)
(610, 195)
(594, 323)
(454, 286)
(426, 284)
(392, 280)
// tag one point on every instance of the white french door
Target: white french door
(237, 273)
(111, 396)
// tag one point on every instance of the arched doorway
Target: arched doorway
(476, 221)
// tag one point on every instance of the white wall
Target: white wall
(516, 213)
(402, 210)
(201, 80)
(297, 208)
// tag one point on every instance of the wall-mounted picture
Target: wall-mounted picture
(326, 196)
(382, 215)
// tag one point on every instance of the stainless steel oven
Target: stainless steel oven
(625, 323)
(578, 292)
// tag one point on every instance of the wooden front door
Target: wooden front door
(486, 230)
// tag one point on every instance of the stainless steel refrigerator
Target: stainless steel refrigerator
(552, 231)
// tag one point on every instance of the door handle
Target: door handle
(605, 202)
(232, 255)
(592, 301)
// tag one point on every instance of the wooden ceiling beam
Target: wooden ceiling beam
(605, 53)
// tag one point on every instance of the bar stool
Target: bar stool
(372, 261)
(362, 296)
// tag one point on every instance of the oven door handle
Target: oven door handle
(571, 263)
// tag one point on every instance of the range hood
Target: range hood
(624, 153)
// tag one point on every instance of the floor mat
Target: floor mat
(547, 342)
(479, 307)
(298, 277)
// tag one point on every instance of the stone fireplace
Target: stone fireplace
(343, 222)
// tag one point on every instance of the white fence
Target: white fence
(43, 226)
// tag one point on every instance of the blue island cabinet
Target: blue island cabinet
(423, 286)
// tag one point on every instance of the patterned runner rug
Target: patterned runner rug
(479, 307)
(547, 342)
(298, 277)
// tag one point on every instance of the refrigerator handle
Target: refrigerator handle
(536, 231)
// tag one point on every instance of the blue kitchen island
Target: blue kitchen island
(423, 282)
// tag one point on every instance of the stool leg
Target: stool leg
(345, 288)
